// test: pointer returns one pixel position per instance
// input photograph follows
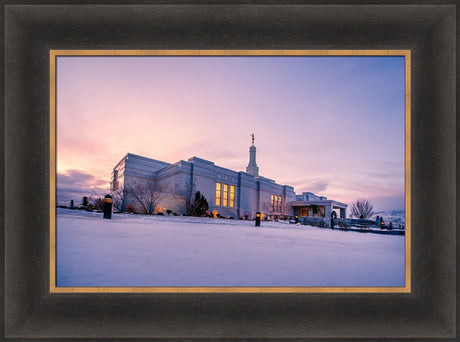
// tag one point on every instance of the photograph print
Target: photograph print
(276, 172)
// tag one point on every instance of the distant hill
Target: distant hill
(395, 216)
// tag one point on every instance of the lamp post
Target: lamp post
(108, 207)
(258, 219)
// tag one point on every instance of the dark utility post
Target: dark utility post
(108, 207)
(333, 216)
(258, 219)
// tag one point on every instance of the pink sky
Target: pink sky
(330, 125)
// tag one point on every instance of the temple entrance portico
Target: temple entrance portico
(318, 208)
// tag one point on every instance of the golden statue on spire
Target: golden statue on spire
(252, 135)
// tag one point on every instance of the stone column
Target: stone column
(328, 211)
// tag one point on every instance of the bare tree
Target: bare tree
(187, 193)
(147, 194)
(362, 208)
(267, 208)
(275, 208)
(286, 208)
(118, 198)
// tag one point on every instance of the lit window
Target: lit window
(232, 196)
(273, 202)
(276, 203)
(218, 192)
(281, 203)
(225, 200)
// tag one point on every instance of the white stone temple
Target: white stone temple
(229, 193)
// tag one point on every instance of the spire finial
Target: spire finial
(252, 168)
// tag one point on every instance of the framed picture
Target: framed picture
(45, 300)
(196, 248)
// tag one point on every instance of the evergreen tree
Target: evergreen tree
(84, 202)
(200, 205)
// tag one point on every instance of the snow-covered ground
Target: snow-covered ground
(138, 250)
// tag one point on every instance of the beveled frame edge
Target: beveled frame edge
(54, 53)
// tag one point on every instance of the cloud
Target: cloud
(74, 177)
(316, 187)
(312, 184)
(319, 186)
(74, 184)
(392, 202)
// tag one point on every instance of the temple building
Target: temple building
(229, 193)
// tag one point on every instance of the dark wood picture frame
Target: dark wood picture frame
(33, 28)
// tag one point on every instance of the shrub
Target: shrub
(98, 204)
(130, 209)
(343, 225)
(169, 211)
(160, 213)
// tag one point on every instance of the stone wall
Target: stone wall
(184, 178)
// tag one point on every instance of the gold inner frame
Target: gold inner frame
(224, 289)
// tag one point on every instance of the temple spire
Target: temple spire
(252, 167)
